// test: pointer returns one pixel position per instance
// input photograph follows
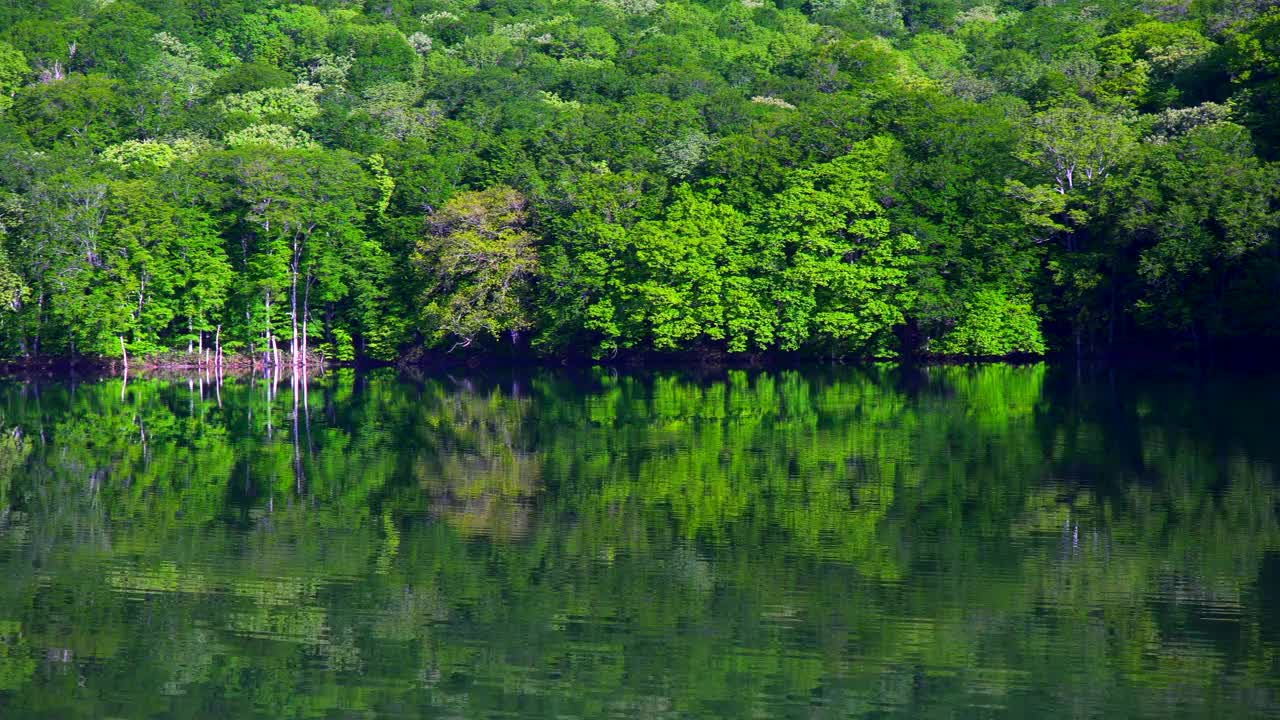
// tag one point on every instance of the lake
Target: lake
(949, 542)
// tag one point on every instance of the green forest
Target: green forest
(402, 179)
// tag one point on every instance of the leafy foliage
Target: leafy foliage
(483, 259)
(994, 324)
(838, 178)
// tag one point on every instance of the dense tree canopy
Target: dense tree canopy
(572, 177)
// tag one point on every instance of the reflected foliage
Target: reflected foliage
(998, 541)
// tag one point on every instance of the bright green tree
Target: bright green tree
(841, 271)
(478, 259)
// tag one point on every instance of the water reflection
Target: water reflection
(995, 541)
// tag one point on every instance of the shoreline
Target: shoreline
(426, 362)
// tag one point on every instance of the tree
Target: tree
(948, 195)
(1253, 61)
(1073, 150)
(57, 249)
(1204, 218)
(698, 279)
(841, 272)
(87, 111)
(126, 262)
(12, 288)
(303, 243)
(589, 218)
(1075, 145)
(380, 53)
(1142, 65)
(993, 324)
(687, 279)
(118, 38)
(178, 68)
(13, 73)
(478, 259)
(49, 45)
(249, 77)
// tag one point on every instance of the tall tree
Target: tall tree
(478, 258)
(303, 243)
(842, 273)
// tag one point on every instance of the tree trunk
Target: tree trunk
(124, 354)
(266, 334)
(35, 341)
(293, 299)
(306, 315)
(293, 315)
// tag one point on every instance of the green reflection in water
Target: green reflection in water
(951, 542)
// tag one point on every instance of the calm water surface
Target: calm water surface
(995, 542)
